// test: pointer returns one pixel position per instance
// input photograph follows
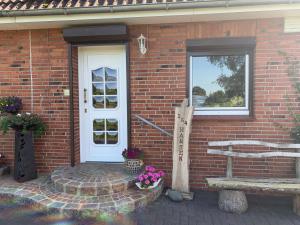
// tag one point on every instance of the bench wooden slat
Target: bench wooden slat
(276, 185)
(253, 155)
(253, 142)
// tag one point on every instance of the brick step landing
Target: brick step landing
(92, 179)
(42, 192)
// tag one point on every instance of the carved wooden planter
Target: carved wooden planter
(24, 168)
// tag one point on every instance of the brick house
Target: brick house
(79, 66)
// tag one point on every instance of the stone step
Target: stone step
(92, 179)
(43, 193)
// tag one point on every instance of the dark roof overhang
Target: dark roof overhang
(96, 34)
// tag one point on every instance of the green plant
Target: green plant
(23, 122)
(292, 104)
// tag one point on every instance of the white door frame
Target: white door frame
(81, 77)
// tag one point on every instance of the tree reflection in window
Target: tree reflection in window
(219, 81)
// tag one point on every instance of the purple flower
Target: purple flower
(150, 174)
(154, 179)
(10, 104)
(149, 177)
(141, 178)
(161, 173)
(150, 169)
(132, 153)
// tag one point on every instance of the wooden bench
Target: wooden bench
(234, 186)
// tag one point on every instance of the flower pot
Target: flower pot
(24, 168)
(154, 185)
(133, 166)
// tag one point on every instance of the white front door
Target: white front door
(102, 103)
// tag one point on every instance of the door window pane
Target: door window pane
(98, 102)
(98, 125)
(110, 74)
(99, 137)
(105, 87)
(111, 88)
(98, 75)
(105, 131)
(98, 89)
(111, 124)
(111, 102)
(112, 137)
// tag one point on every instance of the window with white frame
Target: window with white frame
(219, 81)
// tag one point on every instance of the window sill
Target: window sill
(223, 118)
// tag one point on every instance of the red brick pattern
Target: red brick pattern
(50, 77)
(158, 83)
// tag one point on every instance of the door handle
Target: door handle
(84, 95)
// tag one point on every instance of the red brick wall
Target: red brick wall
(158, 83)
(50, 77)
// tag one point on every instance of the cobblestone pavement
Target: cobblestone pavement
(43, 192)
(203, 210)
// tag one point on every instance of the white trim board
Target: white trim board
(292, 24)
(152, 16)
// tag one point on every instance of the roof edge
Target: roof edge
(143, 7)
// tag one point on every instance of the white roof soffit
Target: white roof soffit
(151, 16)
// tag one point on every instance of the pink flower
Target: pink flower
(145, 176)
(156, 175)
(154, 179)
(150, 169)
(141, 178)
(161, 173)
(147, 182)
(150, 174)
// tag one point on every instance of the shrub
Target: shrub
(23, 122)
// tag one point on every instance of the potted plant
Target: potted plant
(25, 125)
(133, 160)
(150, 178)
(10, 104)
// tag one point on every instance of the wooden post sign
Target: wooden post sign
(181, 161)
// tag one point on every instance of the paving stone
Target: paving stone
(116, 193)
(92, 179)
(57, 205)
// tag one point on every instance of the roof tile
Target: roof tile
(51, 4)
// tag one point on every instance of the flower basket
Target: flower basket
(149, 179)
(133, 166)
(154, 185)
(133, 160)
